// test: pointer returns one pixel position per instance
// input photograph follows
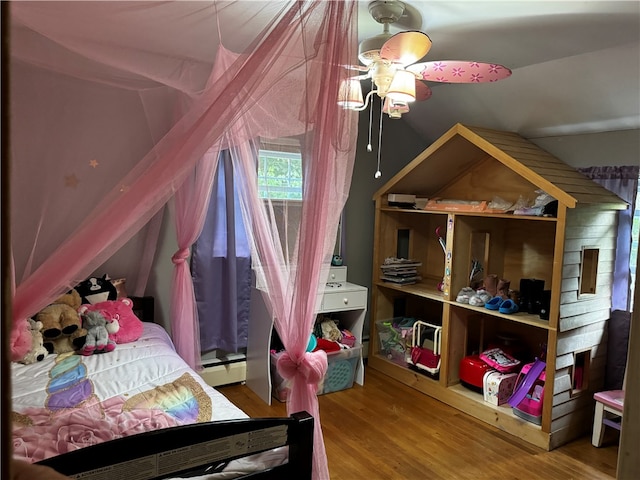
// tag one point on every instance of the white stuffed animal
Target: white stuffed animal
(37, 351)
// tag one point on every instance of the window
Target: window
(588, 270)
(279, 175)
(580, 372)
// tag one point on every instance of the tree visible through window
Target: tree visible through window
(279, 175)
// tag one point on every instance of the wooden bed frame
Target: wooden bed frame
(197, 449)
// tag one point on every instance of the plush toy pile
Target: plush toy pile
(329, 337)
(88, 319)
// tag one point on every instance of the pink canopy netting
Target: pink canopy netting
(117, 106)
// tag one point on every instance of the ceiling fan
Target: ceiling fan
(390, 62)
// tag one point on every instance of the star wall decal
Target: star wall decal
(71, 181)
(93, 163)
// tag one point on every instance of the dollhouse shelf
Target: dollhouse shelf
(426, 290)
(572, 252)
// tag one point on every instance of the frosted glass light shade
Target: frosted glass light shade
(350, 94)
(394, 109)
(403, 87)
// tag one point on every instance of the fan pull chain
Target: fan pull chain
(378, 173)
(369, 148)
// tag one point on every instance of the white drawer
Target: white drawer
(337, 274)
(347, 300)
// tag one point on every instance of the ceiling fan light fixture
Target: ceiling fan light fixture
(350, 94)
(369, 49)
(394, 109)
(403, 87)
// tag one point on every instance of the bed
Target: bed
(140, 412)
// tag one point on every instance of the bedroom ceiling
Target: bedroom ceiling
(576, 64)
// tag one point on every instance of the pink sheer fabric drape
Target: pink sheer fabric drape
(191, 207)
(98, 147)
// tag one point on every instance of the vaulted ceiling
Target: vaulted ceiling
(576, 64)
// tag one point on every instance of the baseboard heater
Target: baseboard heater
(224, 371)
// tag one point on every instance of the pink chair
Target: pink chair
(609, 406)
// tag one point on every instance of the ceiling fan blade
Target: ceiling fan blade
(423, 92)
(406, 48)
(458, 71)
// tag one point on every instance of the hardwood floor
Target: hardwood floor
(386, 430)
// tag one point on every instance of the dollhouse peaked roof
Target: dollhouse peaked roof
(466, 160)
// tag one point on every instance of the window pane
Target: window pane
(280, 175)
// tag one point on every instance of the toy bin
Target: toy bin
(395, 336)
(341, 372)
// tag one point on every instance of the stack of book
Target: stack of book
(401, 271)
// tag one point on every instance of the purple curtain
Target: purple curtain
(221, 268)
(623, 181)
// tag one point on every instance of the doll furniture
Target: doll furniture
(609, 407)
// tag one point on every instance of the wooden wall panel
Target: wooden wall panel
(576, 244)
(569, 323)
(583, 306)
(580, 338)
(564, 361)
(580, 420)
(575, 403)
(562, 382)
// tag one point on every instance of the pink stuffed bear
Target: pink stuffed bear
(21, 339)
(121, 310)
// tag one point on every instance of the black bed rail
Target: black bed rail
(196, 449)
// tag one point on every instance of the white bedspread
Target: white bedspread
(70, 401)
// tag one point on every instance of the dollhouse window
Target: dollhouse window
(580, 372)
(588, 270)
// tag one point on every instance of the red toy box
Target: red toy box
(472, 370)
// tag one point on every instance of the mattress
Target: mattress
(69, 401)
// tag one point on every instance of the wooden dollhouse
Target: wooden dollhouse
(571, 250)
